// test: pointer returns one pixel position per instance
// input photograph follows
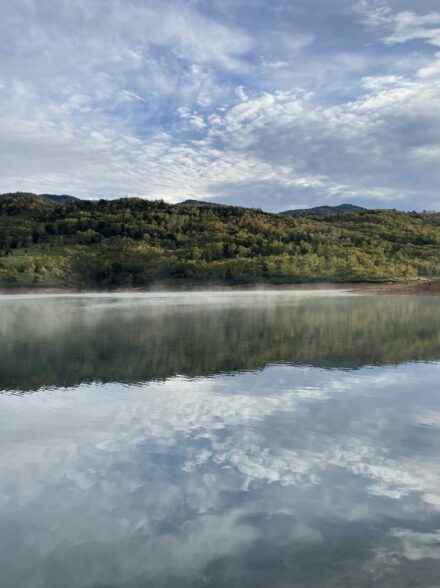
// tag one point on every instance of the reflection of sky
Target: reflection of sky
(292, 474)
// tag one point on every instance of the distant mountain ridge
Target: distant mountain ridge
(317, 211)
(191, 202)
(58, 198)
(323, 210)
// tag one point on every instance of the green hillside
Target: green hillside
(134, 243)
(323, 210)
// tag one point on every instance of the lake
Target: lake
(253, 439)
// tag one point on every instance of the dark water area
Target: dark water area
(221, 440)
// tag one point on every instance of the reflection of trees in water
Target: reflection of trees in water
(64, 343)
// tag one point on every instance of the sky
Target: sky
(275, 105)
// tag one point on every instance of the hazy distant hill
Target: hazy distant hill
(316, 211)
(323, 210)
(199, 203)
(60, 198)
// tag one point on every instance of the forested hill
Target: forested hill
(323, 210)
(133, 243)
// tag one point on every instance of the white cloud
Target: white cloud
(409, 26)
(431, 69)
(146, 99)
(401, 26)
(352, 149)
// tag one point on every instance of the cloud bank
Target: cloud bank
(273, 105)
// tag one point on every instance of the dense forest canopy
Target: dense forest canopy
(133, 242)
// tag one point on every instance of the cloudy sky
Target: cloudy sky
(287, 103)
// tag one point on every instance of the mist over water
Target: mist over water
(219, 440)
(68, 341)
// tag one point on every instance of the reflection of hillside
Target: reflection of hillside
(66, 342)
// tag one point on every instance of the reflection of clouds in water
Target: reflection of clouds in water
(182, 467)
(418, 546)
(406, 546)
(180, 407)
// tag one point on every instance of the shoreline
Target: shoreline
(425, 288)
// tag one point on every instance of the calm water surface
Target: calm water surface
(219, 440)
